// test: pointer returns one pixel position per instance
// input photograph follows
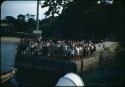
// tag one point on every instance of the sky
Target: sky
(14, 8)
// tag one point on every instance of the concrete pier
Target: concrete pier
(86, 64)
(10, 39)
(101, 56)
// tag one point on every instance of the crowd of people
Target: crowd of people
(75, 50)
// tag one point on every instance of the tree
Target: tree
(10, 19)
(55, 6)
(29, 16)
(85, 16)
(21, 18)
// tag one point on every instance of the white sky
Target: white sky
(14, 8)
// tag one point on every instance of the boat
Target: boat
(6, 76)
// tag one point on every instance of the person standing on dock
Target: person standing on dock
(78, 52)
(73, 53)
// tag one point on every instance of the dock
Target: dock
(55, 64)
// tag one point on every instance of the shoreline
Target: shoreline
(10, 39)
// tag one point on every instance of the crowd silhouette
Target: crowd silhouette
(73, 49)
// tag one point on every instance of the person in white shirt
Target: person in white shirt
(78, 52)
(72, 53)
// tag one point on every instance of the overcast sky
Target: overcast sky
(14, 8)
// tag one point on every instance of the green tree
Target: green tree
(54, 6)
(29, 16)
(21, 18)
(21, 23)
(86, 18)
(10, 19)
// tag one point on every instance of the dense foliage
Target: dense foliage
(77, 19)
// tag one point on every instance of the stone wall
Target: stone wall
(102, 56)
(87, 64)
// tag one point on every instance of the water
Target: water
(25, 77)
(110, 74)
(8, 52)
(107, 75)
